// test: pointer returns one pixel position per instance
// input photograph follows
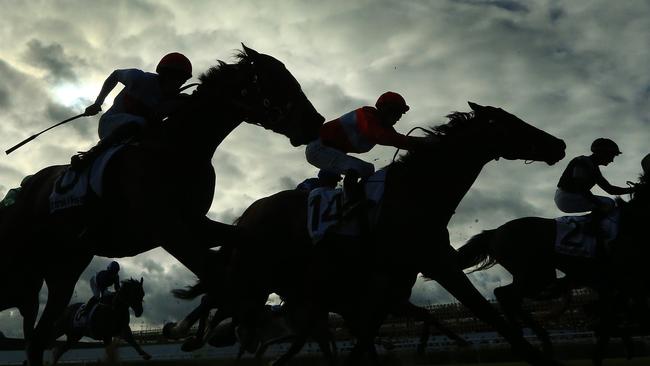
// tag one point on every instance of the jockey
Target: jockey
(357, 132)
(573, 192)
(146, 99)
(100, 283)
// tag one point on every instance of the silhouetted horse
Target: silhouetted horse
(109, 319)
(364, 280)
(156, 193)
(526, 248)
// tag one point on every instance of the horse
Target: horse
(365, 279)
(526, 248)
(109, 319)
(156, 193)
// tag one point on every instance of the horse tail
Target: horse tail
(190, 292)
(476, 252)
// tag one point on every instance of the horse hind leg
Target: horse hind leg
(295, 347)
(510, 300)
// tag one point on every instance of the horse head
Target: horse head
(131, 294)
(278, 102)
(513, 139)
(265, 93)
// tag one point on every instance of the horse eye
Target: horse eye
(266, 102)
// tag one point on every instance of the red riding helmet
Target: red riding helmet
(603, 145)
(175, 62)
(392, 99)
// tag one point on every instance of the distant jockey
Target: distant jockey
(357, 132)
(146, 99)
(573, 192)
(101, 282)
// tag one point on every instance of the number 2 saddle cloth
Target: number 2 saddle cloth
(571, 239)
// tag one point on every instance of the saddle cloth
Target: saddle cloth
(81, 320)
(72, 188)
(325, 208)
(570, 238)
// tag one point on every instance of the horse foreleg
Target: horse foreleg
(127, 335)
(453, 279)
(58, 297)
(265, 345)
(181, 329)
(29, 313)
(510, 300)
(422, 314)
(295, 347)
(60, 350)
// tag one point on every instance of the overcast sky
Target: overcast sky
(577, 69)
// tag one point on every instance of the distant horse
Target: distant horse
(109, 319)
(155, 194)
(364, 280)
(526, 248)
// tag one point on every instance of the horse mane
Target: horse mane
(642, 194)
(215, 75)
(457, 124)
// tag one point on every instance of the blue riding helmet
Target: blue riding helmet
(114, 266)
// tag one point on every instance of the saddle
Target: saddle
(572, 239)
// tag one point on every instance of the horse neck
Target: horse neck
(195, 136)
(438, 183)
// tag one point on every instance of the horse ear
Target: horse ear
(475, 107)
(141, 280)
(250, 52)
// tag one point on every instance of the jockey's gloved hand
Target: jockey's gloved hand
(93, 109)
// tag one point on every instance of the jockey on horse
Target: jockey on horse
(573, 192)
(146, 99)
(357, 132)
(100, 283)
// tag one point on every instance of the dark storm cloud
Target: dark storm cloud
(512, 6)
(52, 58)
(4, 97)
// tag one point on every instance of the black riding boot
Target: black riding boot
(592, 227)
(352, 189)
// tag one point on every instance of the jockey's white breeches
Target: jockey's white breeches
(336, 161)
(574, 202)
(111, 121)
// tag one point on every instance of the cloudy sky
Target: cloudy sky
(577, 69)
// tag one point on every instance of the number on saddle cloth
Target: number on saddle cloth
(73, 188)
(571, 239)
(325, 209)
